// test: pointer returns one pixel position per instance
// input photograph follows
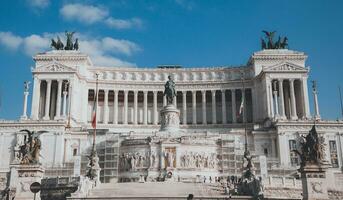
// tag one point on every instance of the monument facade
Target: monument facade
(189, 129)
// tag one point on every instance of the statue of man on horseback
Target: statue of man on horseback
(169, 90)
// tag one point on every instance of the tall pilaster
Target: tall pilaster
(126, 92)
(194, 107)
(135, 107)
(155, 108)
(184, 107)
(105, 118)
(233, 103)
(282, 103)
(145, 107)
(58, 105)
(270, 98)
(306, 102)
(214, 110)
(293, 104)
(35, 98)
(203, 99)
(115, 107)
(47, 100)
(224, 107)
(64, 109)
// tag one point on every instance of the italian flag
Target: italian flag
(95, 106)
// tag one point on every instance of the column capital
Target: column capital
(126, 92)
(106, 90)
(233, 90)
(223, 90)
(280, 79)
(194, 91)
(184, 92)
(203, 92)
(145, 92)
(155, 92)
(291, 80)
(48, 81)
(213, 92)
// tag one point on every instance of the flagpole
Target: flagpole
(96, 109)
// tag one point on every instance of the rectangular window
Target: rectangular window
(293, 156)
(333, 154)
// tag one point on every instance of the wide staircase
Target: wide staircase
(157, 190)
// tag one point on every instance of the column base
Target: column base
(46, 118)
(294, 117)
(23, 117)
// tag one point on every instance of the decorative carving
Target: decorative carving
(29, 151)
(200, 161)
(134, 161)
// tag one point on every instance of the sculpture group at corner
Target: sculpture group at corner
(70, 44)
(269, 43)
(312, 148)
(30, 150)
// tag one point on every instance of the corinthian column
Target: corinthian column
(58, 105)
(214, 114)
(135, 106)
(224, 107)
(35, 98)
(155, 108)
(203, 95)
(293, 105)
(26, 93)
(315, 100)
(115, 107)
(276, 99)
(47, 100)
(282, 103)
(145, 108)
(105, 107)
(305, 98)
(233, 100)
(184, 107)
(125, 106)
(194, 107)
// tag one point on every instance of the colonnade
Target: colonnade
(142, 107)
(52, 98)
(288, 98)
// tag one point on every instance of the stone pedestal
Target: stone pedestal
(170, 118)
(22, 176)
(313, 178)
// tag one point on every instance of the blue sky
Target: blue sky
(188, 33)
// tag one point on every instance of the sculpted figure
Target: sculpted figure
(169, 90)
(170, 157)
(69, 45)
(29, 151)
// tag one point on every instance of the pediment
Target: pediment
(54, 67)
(285, 66)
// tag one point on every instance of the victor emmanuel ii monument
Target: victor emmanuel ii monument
(171, 131)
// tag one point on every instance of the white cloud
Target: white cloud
(119, 46)
(39, 3)
(103, 51)
(123, 23)
(187, 4)
(9, 40)
(86, 14)
(34, 44)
